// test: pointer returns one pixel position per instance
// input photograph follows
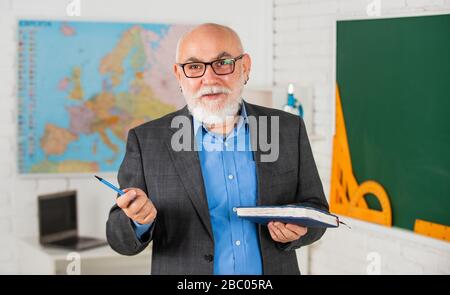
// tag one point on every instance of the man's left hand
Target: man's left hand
(285, 232)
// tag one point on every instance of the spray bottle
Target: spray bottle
(292, 106)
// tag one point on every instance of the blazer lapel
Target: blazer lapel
(265, 171)
(187, 164)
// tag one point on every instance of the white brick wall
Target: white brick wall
(345, 251)
(18, 206)
(304, 42)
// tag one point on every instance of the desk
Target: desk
(35, 259)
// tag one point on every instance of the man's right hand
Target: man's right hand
(137, 205)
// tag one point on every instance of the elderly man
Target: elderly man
(185, 200)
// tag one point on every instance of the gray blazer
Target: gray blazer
(182, 236)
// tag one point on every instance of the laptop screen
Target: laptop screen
(57, 214)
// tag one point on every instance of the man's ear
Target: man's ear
(246, 65)
(177, 72)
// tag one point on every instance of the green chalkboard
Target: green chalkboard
(394, 80)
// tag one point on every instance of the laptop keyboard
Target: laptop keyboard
(78, 242)
(66, 242)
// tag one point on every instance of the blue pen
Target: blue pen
(118, 190)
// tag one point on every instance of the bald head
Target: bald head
(208, 35)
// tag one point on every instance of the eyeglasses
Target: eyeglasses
(223, 66)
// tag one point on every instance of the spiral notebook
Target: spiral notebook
(301, 215)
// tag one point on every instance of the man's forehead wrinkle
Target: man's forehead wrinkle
(223, 54)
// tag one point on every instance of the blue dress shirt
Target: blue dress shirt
(229, 174)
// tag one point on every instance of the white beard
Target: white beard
(213, 112)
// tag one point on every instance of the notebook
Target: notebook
(301, 215)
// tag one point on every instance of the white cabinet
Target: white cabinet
(35, 259)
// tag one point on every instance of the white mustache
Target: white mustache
(211, 90)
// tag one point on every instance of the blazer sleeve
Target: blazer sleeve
(309, 191)
(120, 232)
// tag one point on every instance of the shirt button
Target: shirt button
(238, 243)
(234, 209)
(230, 176)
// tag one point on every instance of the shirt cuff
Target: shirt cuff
(141, 229)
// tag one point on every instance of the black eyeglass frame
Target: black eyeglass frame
(234, 59)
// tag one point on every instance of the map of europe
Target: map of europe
(83, 85)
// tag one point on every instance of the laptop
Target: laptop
(58, 225)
